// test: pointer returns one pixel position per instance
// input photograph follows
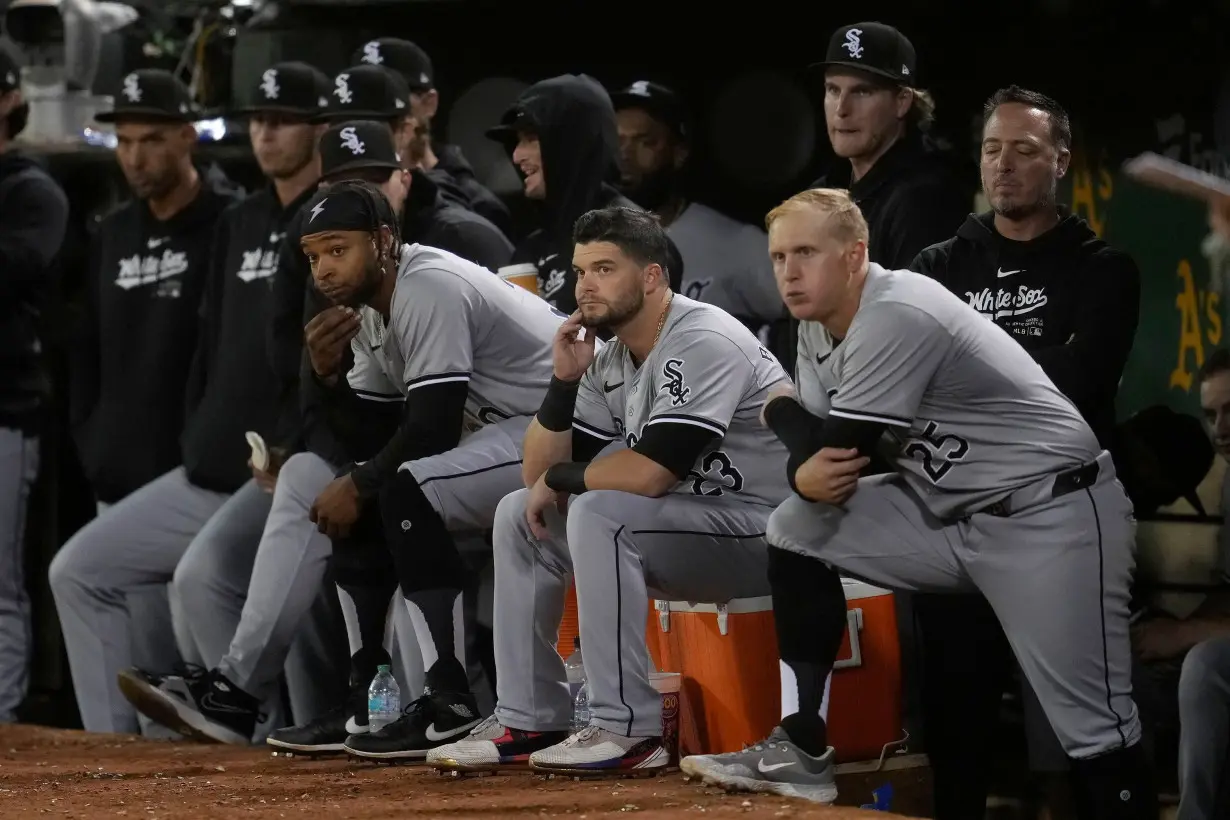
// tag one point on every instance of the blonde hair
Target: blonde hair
(845, 221)
(922, 112)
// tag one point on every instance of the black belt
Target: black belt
(1069, 481)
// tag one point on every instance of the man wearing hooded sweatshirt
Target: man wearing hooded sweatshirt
(444, 163)
(562, 137)
(1072, 301)
(197, 526)
(33, 215)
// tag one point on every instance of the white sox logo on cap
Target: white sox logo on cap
(351, 141)
(132, 88)
(371, 53)
(341, 88)
(269, 84)
(853, 43)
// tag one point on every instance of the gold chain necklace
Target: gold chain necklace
(670, 294)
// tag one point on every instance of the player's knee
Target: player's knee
(794, 523)
(73, 567)
(305, 474)
(595, 506)
(510, 517)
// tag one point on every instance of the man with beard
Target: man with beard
(470, 356)
(680, 513)
(444, 163)
(309, 449)
(561, 135)
(1072, 301)
(727, 261)
(198, 525)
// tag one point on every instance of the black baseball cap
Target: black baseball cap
(402, 56)
(356, 144)
(367, 92)
(10, 69)
(658, 101)
(151, 94)
(289, 88)
(876, 48)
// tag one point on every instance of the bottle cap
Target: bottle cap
(384, 669)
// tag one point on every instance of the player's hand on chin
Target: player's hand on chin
(337, 508)
(830, 476)
(570, 354)
(542, 497)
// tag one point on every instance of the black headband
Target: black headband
(346, 207)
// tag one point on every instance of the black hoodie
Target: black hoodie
(143, 295)
(232, 389)
(915, 195)
(457, 182)
(428, 219)
(575, 123)
(33, 218)
(1067, 297)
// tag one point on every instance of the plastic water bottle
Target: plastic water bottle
(574, 666)
(580, 708)
(383, 699)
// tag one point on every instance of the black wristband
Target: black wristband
(792, 466)
(792, 424)
(556, 411)
(566, 477)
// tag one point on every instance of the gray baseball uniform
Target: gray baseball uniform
(453, 321)
(703, 541)
(1001, 486)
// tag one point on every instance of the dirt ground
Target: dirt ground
(53, 773)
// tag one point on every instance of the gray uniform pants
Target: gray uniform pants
(1204, 739)
(289, 616)
(1056, 573)
(18, 469)
(110, 584)
(620, 548)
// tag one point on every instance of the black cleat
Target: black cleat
(432, 720)
(326, 734)
(195, 702)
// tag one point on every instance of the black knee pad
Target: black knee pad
(424, 553)
(809, 607)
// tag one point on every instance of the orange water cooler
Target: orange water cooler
(727, 654)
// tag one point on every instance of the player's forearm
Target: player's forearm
(543, 448)
(548, 440)
(630, 472)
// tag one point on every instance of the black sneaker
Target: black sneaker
(432, 720)
(326, 734)
(195, 702)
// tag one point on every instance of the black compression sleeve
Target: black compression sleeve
(566, 477)
(798, 429)
(431, 424)
(846, 433)
(586, 446)
(675, 446)
(556, 411)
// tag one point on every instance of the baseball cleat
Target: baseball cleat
(490, 746)
(326, 734)
(432, 720)
(596, 751)
(195, 702)
(773, 766)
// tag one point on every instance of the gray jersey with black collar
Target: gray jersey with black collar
(971, 415)
(453, 321)
(706, 370)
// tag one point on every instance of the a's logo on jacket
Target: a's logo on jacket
(162, 270)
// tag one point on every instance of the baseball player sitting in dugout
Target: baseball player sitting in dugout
(470, 356)
(1000, 487)
(681, 510)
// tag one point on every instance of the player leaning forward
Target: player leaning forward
(1000, 486)
(680, 511)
